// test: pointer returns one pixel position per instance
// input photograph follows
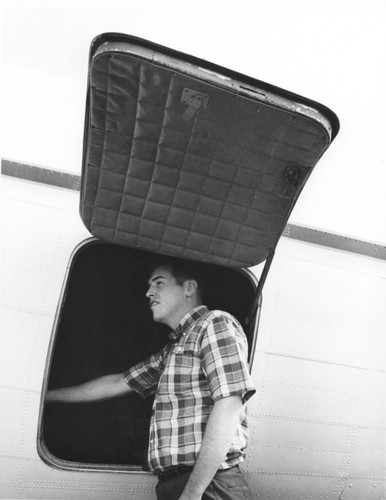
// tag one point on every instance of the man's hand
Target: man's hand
(219, 433)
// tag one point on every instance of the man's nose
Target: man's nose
(150, 292)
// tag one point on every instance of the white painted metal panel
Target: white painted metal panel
(10, 476)
(40, 235)
(360, 488)
(28, 334)
(12, 421)
(288, 446)
(293, 486)
(43, 482)
(318, 418)
(368, 452)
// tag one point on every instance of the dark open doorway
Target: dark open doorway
(104, 326)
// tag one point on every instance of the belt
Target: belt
(182, 469)
(173, 472)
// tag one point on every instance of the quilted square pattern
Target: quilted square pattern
(206, 183)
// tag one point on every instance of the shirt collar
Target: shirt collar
(187, 321)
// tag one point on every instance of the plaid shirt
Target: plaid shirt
(206, 361)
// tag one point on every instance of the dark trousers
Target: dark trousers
(227, 484)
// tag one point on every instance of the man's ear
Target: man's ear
(190, 287)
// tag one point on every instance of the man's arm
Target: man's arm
(100, 389)
(219, 433)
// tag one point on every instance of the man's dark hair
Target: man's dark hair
(182, 270)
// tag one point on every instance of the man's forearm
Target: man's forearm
(100, 389)
(219, 433)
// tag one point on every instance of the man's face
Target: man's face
(167, 297)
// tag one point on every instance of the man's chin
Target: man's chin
(157, 317)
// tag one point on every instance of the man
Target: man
(201, 382)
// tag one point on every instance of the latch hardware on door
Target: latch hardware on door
(195, 101)
(292, 175)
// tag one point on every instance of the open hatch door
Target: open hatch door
(185, 158)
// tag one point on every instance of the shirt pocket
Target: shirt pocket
(185, 364)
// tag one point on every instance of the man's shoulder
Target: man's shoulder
(218, 313)
(221, 328)
(219, 317)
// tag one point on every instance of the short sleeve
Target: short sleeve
(224, 358)
(143, 377)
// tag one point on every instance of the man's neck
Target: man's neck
(175, 322)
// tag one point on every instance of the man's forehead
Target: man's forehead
(160, 272)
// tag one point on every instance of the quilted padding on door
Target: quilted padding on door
(180, 166)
